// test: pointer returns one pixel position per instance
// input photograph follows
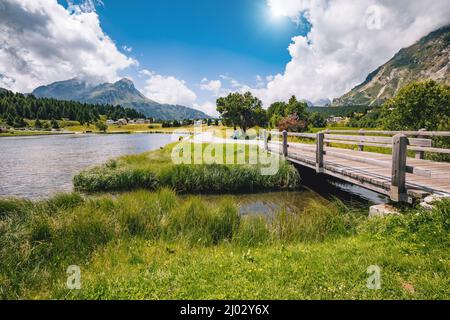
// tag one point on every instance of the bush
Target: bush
(422, 105)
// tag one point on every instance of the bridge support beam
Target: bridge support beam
(320, 152)
(399, 154)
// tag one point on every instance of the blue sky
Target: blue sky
(190, 52)
(191, 40)
(202, 38)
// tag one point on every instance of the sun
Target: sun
(276, 11)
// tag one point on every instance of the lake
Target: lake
(38, 167)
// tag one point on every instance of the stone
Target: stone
(433, 198)
(426, 206)
(428, 202)
(382, 210)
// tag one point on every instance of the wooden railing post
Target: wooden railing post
(320, 152)
(420, 154)
(399, 154)
(285, 143)
(361, 145)
(327, 132)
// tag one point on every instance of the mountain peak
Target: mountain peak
(122, 92)
(125, 82)
(427, 59)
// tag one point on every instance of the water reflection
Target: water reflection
(271, 203)
(36, 167)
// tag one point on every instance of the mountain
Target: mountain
(122, 93)
(427, 59)
(322, 103)
(72, 89)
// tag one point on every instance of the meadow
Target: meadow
(137, 232)
(158, 245)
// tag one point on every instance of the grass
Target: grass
(156, 169)
(156, 245)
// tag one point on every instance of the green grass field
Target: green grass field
(145, 245)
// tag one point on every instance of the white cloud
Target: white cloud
(214, 86)
(167, 89)
(235, 85)
(208, 107)
(146, 73)
(42, 42)
(348, 40)
(127, 49)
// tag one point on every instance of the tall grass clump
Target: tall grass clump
(227, 179)
(155, 170)
(115, 179)
(316, 223)
(421, 227)
(196, 223)
(253, 232)
(141, 213)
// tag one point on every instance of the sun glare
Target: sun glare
(276, 11)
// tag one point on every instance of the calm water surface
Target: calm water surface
(271, 203)
(37, 167)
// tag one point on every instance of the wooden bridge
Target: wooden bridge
(403, 176)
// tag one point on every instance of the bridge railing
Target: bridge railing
(399, 141)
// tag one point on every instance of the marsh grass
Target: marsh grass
(155, 169)
(39, 240)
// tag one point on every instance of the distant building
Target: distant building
(334, 120)
(110, 122)
(122, 122)
(141, 121)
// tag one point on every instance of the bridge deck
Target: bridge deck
(372, 170)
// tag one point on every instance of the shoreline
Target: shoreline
(6, 135)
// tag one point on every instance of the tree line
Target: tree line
(15, 107)
(416, 106)
(246, 111)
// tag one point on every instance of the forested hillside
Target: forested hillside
(14, 107)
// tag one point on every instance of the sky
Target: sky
(192, 52)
